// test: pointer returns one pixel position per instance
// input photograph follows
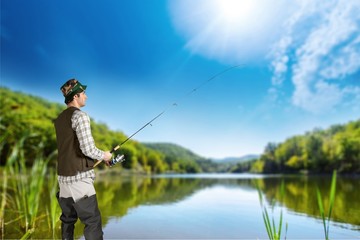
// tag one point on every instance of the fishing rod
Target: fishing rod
(120, 158)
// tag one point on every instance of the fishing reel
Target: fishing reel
(117, 159)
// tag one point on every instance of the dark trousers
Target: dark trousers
(87, 210)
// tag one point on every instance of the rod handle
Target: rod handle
(115, 148)
(97, 163)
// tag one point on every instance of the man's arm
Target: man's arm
(81, 125)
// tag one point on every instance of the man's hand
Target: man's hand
(107, 158)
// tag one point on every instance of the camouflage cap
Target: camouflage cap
(70, 88)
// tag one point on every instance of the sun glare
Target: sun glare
(229, 30)
(236, 11)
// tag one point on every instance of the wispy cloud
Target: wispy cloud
(315, 44)
(321, 48)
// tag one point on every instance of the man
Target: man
(76, 155)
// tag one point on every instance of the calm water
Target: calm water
(223, 207)
(219, 206)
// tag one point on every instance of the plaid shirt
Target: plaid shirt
(80, 123)
(77, 177)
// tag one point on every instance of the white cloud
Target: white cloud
(346, 61)
(323, 43)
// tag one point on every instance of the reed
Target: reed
(53, 209)
(33, 190)
(326, 221)
(26, 187)
(273, 230)
(4, 197)
(12, 170)
(4, 185)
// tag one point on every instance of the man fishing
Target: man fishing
(76, 155)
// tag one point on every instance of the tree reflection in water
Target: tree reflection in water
(117, 195)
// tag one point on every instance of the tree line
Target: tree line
(317, 151)
(28, 120)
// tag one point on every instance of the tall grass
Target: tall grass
(273, 230)
(4, 197)
(326, 221)
(12, 169)
(4, 185)
(53, 209)
(26, 187)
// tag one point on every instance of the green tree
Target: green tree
(337, 148)
(155, 163)
(313, 152)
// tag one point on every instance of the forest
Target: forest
(317, 151)
(26, 121)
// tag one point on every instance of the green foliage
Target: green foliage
(243, 167)
(22, 114)
(319, 151)
(257, 166)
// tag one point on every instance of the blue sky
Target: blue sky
(300, 65)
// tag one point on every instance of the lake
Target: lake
(221, 206)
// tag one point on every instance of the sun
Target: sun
(235, 11)
(243, 17)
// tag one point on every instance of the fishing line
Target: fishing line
(174, 104)
(180, 99)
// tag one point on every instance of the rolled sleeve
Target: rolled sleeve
(81, 125)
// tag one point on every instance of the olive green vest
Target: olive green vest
(70, 158)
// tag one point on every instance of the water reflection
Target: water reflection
(213, 206)
(300, 196)
(118, 195)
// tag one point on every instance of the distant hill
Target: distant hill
(244, 158)
(174, 152)
(178, 153)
